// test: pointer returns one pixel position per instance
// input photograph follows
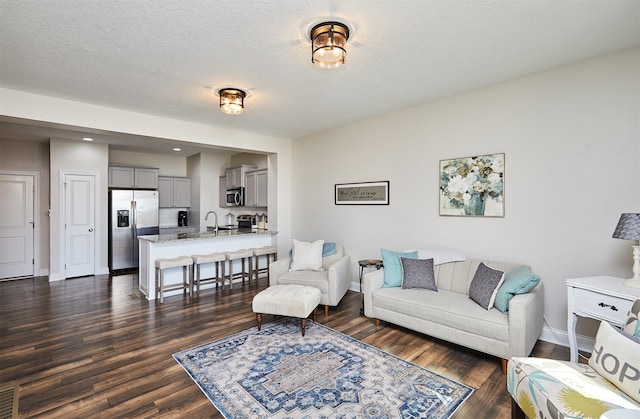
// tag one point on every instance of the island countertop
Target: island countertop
(221, 234)
(167, 246)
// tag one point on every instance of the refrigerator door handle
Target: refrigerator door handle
(133, 220)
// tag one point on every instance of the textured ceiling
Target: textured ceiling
(167, 57)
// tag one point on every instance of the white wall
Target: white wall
(572, 146)
(169, 164)
(79, 157)
(205, 169)
(33, 157)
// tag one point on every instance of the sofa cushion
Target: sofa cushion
(517, 281)
(447, 308)
(616, 357)
(392, 267)
(307, 256)
(484, 285)
(418, 273)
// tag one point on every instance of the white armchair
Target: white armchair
(333, 280)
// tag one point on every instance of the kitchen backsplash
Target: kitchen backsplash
(168, 217)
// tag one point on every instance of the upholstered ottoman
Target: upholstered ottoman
(287, 300)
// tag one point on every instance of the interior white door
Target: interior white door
(79, 225)
(16, 226)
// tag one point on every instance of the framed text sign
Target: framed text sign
(363, 193)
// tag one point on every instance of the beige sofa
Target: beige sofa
(451, 315)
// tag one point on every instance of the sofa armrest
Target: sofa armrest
(277, 268)
(371, 281)
(526, 318)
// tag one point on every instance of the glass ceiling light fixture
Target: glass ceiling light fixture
(328, 42)
(232, 101)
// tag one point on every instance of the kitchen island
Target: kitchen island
(163, 246)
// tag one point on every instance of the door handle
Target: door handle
(90, 230)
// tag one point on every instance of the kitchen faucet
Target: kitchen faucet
(216, 219)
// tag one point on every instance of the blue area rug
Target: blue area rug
(277, 373)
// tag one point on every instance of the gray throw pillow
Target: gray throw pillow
(484, 285)
(418, 273)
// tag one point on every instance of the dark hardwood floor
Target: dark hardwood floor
(95, 347)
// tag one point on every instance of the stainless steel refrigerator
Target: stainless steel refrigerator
(131, 214)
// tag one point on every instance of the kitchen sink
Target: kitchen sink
(211, 229)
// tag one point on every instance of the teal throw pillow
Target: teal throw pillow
(393, 268)
(519, 281)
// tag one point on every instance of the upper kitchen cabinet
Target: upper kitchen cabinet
(133, 177)
(235, 176)
(175, 192)
(222, 192)
(256, 188)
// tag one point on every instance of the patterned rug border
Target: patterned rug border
(268, 329)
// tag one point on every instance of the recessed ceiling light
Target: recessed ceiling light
(177, 149)
(87, 139)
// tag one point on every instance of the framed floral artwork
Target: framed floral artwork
(472, 186)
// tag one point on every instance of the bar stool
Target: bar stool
(245, 256)
(187, 278)
(216, 259)
(268, 251)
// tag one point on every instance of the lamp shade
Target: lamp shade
(628, 227)
(232, 101)
(328, 44)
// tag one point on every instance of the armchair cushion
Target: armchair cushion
(307, 256)
(555, 389)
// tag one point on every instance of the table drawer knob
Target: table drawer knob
(612, 307)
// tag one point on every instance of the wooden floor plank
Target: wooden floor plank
(95, 347)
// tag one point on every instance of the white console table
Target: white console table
(603, 298)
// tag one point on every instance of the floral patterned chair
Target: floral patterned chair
(607, 387)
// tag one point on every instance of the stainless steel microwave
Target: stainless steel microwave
(235, 197)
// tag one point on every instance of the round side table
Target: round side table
(367, 263)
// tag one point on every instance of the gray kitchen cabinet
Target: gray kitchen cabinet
(175, 192)
(222, 192)
(256, 188)
(133, 177)
(235, 176)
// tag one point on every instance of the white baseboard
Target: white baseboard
(560, 337)
(56, 277)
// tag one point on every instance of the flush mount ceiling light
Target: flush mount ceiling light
(328, 41)
(232, 101)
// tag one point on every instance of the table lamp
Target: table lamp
(628, 228)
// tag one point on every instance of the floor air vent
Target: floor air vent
(8, 403)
